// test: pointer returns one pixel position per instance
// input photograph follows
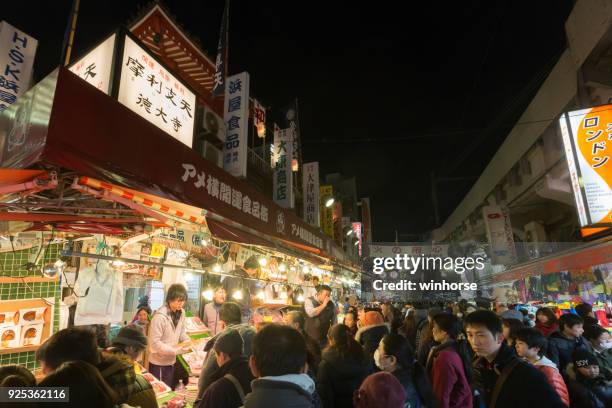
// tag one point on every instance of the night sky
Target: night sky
(386, 93)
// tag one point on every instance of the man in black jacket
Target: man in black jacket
(321, 313)
(232, 380)
(500, 377)
(563, 343)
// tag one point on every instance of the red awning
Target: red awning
(227, 233)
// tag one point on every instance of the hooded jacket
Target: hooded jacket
(560, 349)
(285, 391)
(369, 337)
(222, 393)
(338, 377)
(586, 392)
(164, 335)
(549, 369)
(525, 387)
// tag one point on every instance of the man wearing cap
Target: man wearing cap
(587, 386)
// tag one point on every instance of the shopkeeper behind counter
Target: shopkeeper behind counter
(167, 330)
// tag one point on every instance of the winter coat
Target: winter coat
(560, 349)
(604, 359)
(133, 389)
(222, 393)
(211, 318)
(246, 331)
(525, 386)
(545, 329)
(369, 337)
(286, 391)
(405, 377)
(549, 369)
(588, 393)
(448, 379)
(163, 336)
(338, 377)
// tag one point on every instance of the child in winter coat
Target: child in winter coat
(587, 387)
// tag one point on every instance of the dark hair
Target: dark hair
(593, 332)
(230, 313)
(514, 325)
(321, 288)
(485, 318)
(146, 309)
(176, 291)
(533, 338)
(452, 325)
(87, 387)
(298, 317)
(279, 350)
(583, 309)
(231, 343)
(569, 320)
(344, 343)
(252, 262)
(16, 376)
(552, 318)
(68, 345)
(397, 346)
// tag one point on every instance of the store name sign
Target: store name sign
(587, 138)
(236, 116)
(96, 66)
(149, 90)
(17, 52)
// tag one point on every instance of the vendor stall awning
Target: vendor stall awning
(227, 233)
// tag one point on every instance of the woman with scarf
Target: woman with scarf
(449, 364)
(546, 321)
(166, 332)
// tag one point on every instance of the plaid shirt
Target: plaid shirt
(119, 373)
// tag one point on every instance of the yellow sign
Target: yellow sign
(327, 214)
(158, 250)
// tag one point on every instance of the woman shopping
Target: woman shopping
(166, 333)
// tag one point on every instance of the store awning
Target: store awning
(227, 233)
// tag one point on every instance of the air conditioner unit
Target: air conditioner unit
(212, 124)
(213, 154)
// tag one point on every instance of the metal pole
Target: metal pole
(70, 31)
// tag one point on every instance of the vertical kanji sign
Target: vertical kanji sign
(310, 186)
(587, 137)
(283, 178)
(97, 65)
(17, 52)
(236, 115)
(327, 214)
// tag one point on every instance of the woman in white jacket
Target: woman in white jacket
(166, 331)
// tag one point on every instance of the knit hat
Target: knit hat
(131, 335)
(512, 314)
(381, 389)
(373, 318)
(583, 358)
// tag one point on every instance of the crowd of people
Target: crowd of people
(334, 354)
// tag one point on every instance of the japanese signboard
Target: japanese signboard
(237, 123)
(587, 137)
(283, 178)
(17, 52)
(391, 250)
(259, 118)
(150, 90)
(281, 136)
(221, 60)
(337, 219)
(96, 66)
(292, 122)
(327, 214)
(357, 232)
(499, 234)
(310, 185)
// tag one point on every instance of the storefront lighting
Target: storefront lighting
(263, 261)
(282, 267)
(292, 269)
(356, 242)
(349, 233)
(283, 295)
(188, 276)
(117, 263)
(216, 268)
(237, 295)
(50, 271)
(329, 202)
(208, 294)
(261, 295)
(305, 269)
(300, 298)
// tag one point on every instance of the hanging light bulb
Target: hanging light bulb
(282, 267)
(60, 265)
(261, 295)
(305, 269)
(292, 269)
(237, 294)
(329, 202)
(263, 261)
(300, 298)
(117, 263)
(50, 271)
(216, 268)
(208, 294)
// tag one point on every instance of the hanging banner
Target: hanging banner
(285, 136)
(259, 118)
(283, 178)
(97, 65)
(327, 214)
(292, 122)
(499, 233)
(17, 52)
(221, 60)
(357, 231)
(147, 88)
(237, 124)
(587, 136)
(310, 186)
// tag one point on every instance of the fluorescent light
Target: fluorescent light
(237, 295)
(330, 201)
(282, 267)
(216, 268)
(348, 234)
(263, 261)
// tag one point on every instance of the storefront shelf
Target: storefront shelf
(18, 350)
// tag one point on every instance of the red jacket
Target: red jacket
(546, 330)
(549, 369)
(449, 382)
